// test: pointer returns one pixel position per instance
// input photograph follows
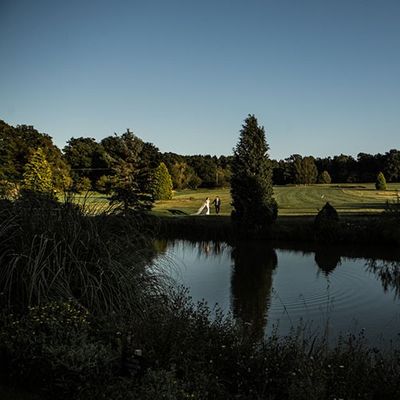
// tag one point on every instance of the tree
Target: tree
(392, 165)
(103, 184)
(380, 183)
(127, 194)
(38, 176)
(82, 185)
(162, 183)
(205, 167)
(305, 170)
(181, 174)
(87, 158)
(343, 168)
(18, 144)
(251, 181)
(324, 177)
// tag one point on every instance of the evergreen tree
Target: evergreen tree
(38, 177)
(251, 181)
(162, 183)
(127, 194)
(380, 183)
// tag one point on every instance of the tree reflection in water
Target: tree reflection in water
(388, 272)
(327, 258)
(251, 284)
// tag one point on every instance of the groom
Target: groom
(217, 204)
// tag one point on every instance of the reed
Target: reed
(52, 251)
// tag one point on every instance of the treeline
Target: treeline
(122, 159)
(338, 169)
(87, 164)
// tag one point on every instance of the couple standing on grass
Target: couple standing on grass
(205, 208)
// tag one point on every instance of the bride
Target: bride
(205, 208)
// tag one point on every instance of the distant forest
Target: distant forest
(87, 164)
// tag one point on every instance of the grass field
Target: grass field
(294, 200)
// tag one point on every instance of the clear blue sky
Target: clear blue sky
(323, 77)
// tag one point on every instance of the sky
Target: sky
(321, 76)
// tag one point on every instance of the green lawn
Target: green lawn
(294, 200)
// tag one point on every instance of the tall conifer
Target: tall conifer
(380, 183)
(38, 176)
(162, 183)
(251, 182)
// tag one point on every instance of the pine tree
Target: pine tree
(127, 194)
(162, 183)
(380, 183)
(38, 177)
(251, 182)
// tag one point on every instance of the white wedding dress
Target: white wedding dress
(204, 209)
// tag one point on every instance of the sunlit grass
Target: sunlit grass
(358, 198)
(294, 200)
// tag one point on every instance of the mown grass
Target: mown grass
(294, 200)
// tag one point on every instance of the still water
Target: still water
(328, 291)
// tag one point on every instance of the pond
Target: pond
(329, 291)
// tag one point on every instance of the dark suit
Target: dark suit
(217, 204)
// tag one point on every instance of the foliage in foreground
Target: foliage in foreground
(52, 251)
(181, 351)
(82, 318)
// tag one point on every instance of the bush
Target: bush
(380, 183)
(326, 224)
(49, 348)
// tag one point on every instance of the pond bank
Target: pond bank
(377, 230)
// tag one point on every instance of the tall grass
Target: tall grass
(52, 251)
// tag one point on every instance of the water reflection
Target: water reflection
(327, 259)
(251, 284)
(246, 279)
(388, 273)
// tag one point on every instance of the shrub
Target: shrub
(380, 183)
(326, 224)
(49, 348)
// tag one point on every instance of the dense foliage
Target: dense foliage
(18, 144)
(251, 181)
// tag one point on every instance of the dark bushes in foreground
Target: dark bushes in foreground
(186, 352)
